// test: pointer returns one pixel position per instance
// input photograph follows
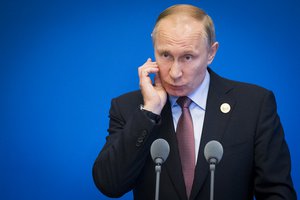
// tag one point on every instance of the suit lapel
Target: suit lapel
(214, 126)
(173, 164)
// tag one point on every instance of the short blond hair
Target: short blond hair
(193, 12)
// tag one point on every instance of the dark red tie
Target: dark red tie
(186, 143)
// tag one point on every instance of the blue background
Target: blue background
(61, 62)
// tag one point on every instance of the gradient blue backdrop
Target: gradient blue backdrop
(61, 62)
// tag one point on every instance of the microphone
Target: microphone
(213, 152)
(159, 152)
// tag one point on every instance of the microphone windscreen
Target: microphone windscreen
(213, 149)
(160, 149)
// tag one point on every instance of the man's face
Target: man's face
(182, 54)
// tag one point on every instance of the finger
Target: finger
(147, 68)
(147, 71)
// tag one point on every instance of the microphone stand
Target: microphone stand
(212, 167)
(158, 162)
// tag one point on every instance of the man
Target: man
(242, 117)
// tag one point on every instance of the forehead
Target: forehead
(180, 32)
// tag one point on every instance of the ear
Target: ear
(212, 52)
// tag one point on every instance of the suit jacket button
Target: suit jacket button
(140, 139)
(144, 133)
(137, 144)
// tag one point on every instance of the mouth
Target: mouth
(175, 87)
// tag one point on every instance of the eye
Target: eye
(188, 57)
(165, 55)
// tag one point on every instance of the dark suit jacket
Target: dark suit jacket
(256, 158)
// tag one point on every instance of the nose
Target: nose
(175, 71)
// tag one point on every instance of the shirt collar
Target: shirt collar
(198, 96)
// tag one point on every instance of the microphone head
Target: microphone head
(160, 151)
(213, 150)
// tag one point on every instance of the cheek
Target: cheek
(163, 67)
(163, 71)
(194, 72)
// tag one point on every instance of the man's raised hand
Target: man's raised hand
(154, 95)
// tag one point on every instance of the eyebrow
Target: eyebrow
(189, 52)
(184, 52)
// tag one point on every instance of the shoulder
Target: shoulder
(247, 90)
(123, 106)
(129, 97)
(127, 102)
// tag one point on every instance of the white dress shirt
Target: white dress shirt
(197, 109)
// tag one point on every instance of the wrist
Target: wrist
(154, 109)
(155, 118)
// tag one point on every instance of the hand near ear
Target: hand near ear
(155, 96)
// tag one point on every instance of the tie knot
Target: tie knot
(184, 102)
